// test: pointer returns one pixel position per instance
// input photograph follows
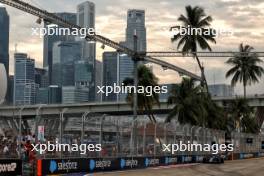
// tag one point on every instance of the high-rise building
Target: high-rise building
(4, 38)
(136, 23)
(49, 40)
(86, 19)
(10, 91)
(42, 95)
(54, 94)
(125, 70)
(110, 73)
(65, 54)
(83, 73)
(98, 81)
(86, 14)
(221, 90)
(74, 94)
(41, 77)
(49, 95)
(24, 80)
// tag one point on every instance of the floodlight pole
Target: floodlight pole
(20, 131)
(83, 126)
(135, 96)
(37, 120)
(102, 118)
(61, 127)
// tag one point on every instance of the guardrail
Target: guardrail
(85, 165)
(10, 167)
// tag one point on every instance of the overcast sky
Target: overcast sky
(244, 17)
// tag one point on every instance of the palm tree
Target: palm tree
(245, 67)
(249, 124)
(187, 103)
(215, 114)
(146, 78)
(193, 106)
(243, 116)
(237, 110)
(195, 19)
(145, 102)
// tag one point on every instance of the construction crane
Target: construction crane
(52, 18)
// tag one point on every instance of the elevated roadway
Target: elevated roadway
(118, 108)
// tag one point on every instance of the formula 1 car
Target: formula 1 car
(214, 159)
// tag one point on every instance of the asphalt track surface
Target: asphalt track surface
(247, 167)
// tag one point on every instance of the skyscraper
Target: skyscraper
(49, 95)
(136, 22)
(54, 94)
(41, 77)
(74, 94)
(86, 19)
(125, 70)
(42, 96)
(49, 40)
(98, 81)
(10, 91)
(86, 14)
(24, 80)
(65, 54)
(4, 38)
(110, 73)
(83, 73)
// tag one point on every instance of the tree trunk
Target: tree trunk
(204, 81)
(245, 91)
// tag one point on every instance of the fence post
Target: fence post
(155, 137)
(165, 133)
(144, 139)
(117, 138)
(101, 133)
(131, 146)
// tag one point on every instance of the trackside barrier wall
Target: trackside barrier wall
(10, 167)
(85, 165)
(90, 165)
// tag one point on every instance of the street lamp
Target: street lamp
(132, 137)
(101, 131)
(83, 121)
(20, 130)
(135, 96)
(61, 126)
(37, 120)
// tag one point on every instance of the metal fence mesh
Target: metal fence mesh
(114, 133)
